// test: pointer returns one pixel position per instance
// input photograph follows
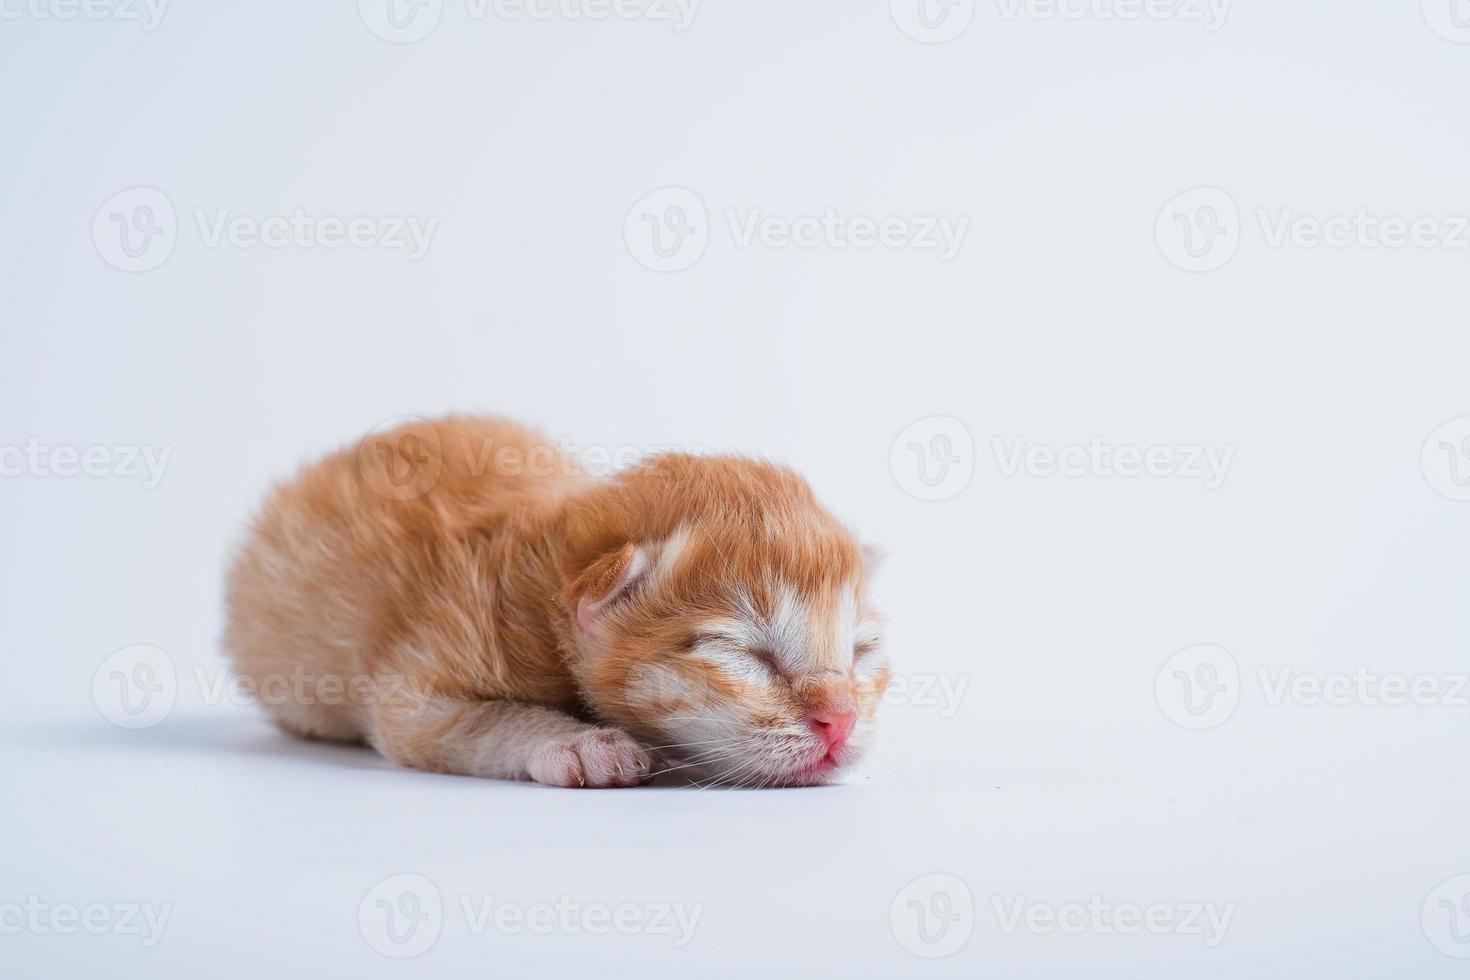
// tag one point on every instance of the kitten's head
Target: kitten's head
(721, 614)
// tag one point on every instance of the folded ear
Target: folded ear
(607, 580)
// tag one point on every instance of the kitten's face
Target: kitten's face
(748, 658)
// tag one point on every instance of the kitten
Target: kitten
(458, 595)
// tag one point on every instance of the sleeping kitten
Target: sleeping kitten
(460, 596)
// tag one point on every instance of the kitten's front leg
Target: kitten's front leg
(507, 740)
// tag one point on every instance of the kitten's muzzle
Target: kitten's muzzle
(832, 724)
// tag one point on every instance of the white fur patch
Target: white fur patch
(793, 633)
(802, 639)
(670, 552)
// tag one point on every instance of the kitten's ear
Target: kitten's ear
(607, 580)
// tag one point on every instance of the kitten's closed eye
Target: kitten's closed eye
(767, 659)
(864, 648)
(760, 655)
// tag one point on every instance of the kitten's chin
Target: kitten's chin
(821, 772)
(767, 767)
(818, 774)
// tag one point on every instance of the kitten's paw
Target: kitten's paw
(599, 757)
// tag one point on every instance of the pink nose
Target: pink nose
(832, 725)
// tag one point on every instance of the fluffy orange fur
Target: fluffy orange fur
(462, 596)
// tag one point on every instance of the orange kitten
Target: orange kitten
(459, 595)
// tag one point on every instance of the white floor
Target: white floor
(1307, 857)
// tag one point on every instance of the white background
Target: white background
(1055, 601)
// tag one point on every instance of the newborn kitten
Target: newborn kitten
(460, 596)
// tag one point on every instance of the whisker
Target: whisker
(686, 765)
(712, 741)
